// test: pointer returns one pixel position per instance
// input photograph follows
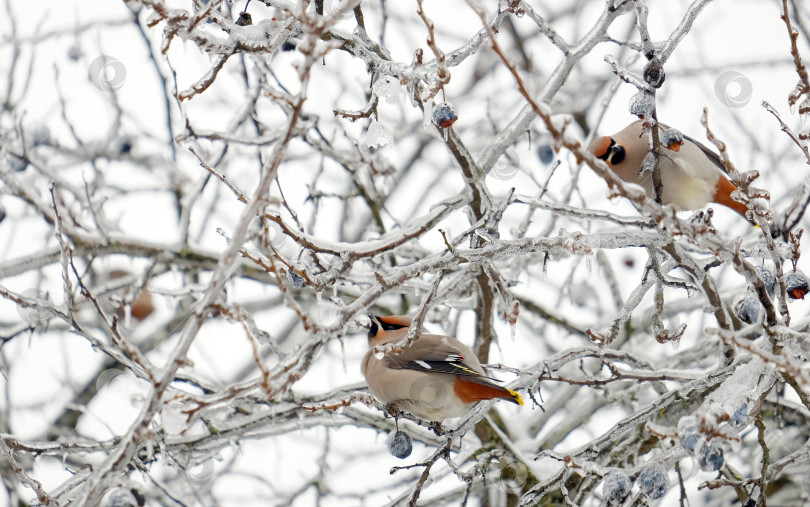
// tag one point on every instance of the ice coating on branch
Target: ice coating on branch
(378, 135)
(387, 88)
(768, 277)
(731, 398)
(174, 420)
(761, 249)
(648, 164)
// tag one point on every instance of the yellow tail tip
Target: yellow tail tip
(516, 397)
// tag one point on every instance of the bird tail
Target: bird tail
(722, 195)
(471, 391)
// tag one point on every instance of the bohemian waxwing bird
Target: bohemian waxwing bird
(691, 174)
(437, 378)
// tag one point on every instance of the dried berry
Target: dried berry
(616, 487)
(796, 285)
(739, 415)
(545, 153)
(444, 115)
(399, 444)
(710, 456)
(244, 19)
(689, 438)
(653, 481)
(672, 139)
(746, 307)
(654, 73)
(298, 281)
(642, 104)
(142, 307)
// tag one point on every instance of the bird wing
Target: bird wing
(438, 354)
(710, 154)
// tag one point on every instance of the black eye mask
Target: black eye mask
(618, 153)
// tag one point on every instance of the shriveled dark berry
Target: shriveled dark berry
(653, 481)
(399, 444)
(616, 487)
(672, 139)
(710, 456)
(796, 285)
(746, 307)
(767, 276)
(545, 153)
(298, 281)
(654, 73)
(689, 438)
(244, 19)
(444, 115)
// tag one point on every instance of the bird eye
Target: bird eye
(618, 154)
(390, 327)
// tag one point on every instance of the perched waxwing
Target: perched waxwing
(437, 378)
(691, 174)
